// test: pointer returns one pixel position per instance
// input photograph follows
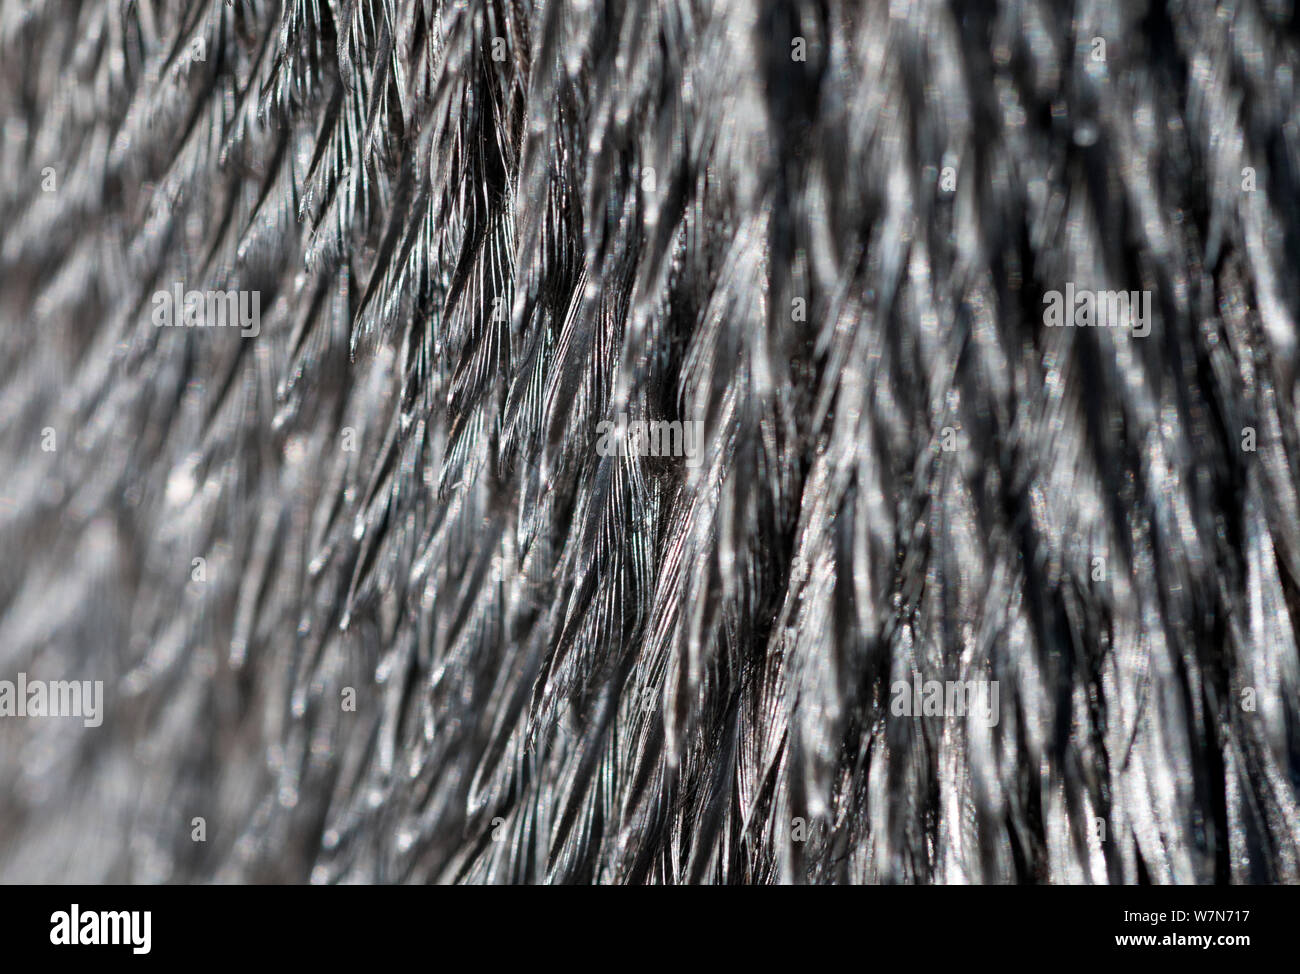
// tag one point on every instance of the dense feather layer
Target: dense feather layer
(822, 231)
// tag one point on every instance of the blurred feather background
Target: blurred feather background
(821, 228)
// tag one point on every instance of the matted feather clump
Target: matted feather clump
(653, 412)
